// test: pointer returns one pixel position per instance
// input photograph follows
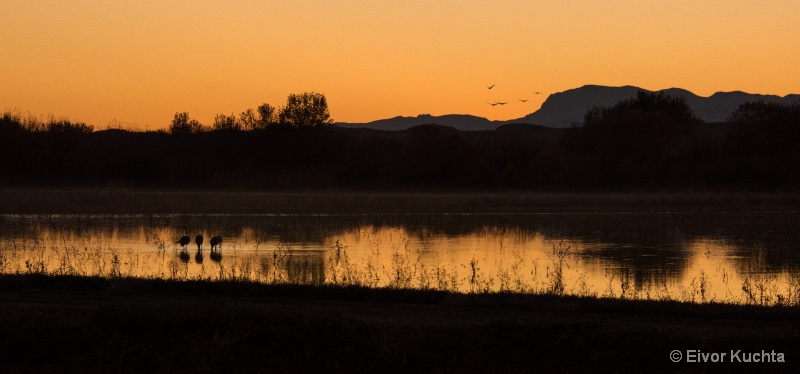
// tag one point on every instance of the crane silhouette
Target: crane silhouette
(183, 241)
(523, 100)
(216, 242)
(489, 87)
(199, 241)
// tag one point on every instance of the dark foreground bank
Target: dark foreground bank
(129, 325)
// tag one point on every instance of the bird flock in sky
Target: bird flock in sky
(496, 103)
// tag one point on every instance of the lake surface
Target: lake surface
(735, 257)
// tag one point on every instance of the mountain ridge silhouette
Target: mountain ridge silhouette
(563, 109)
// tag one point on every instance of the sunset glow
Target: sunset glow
(137, 63)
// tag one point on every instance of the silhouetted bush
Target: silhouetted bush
(181, 124)
(306, 110)
(764, 145)
(674, 107)
(632, 144)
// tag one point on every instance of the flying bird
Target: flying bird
(536, 92)
(489, 87)
(501, 103)
(523, 100)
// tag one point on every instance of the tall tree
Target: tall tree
(182, 124)
(248, 120)
(223, 122)
(306, 110)
(267, 115)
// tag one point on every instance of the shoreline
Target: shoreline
(165, 201)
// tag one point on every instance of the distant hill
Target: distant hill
(459, 121)
(562, 109)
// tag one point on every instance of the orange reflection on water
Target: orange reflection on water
(486, 259)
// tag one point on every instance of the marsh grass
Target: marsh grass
(392, 263)
(510, 278)
(555, 274)
(334, 266)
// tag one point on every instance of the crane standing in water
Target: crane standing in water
(199, 241)
(215, 242)
(183, 241)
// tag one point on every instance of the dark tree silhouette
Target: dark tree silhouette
(650, 142)
(248, 120)
(765, 143)
(306, 110)
(674, 107)
(267, 116)
(182, 124)
(631, 144)
(223, 122)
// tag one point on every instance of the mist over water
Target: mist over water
(735, 257)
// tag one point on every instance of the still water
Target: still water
(733, 257)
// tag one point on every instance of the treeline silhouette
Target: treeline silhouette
(651, 142)
(306, 110)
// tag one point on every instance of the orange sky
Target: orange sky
(139, 62)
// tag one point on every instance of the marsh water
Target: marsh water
(736, 257)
